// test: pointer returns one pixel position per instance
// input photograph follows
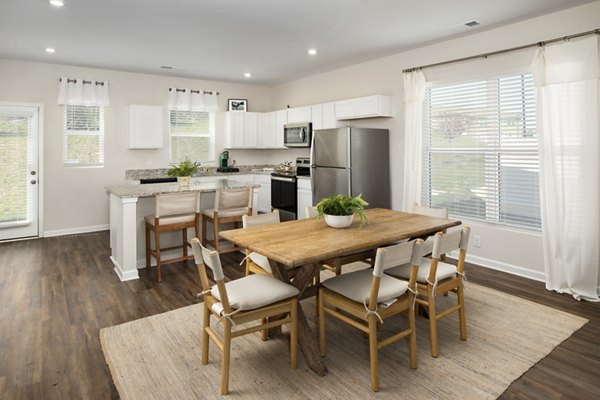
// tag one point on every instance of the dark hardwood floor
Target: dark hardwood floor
(57, 293)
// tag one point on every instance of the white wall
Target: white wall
(518, 251)
(74, 198)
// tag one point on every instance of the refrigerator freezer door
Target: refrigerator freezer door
(331, 148)
(329, 181)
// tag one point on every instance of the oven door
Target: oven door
(297, 135)
(284, 196)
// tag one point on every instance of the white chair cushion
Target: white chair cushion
(261, 261)
(357, 286)
(444, 270)
(171, 219)
(226, 212)
(255, 291)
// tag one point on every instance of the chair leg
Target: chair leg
(204, 223)
(205, 338)
(294, 335)
(322, 343)
(157, 252)
(225, 357)
(264, 333)
(373, 353)
(216, 234)
(461, 311)
(148, 249)
(413, 337)
(184, 243)
(432, 324)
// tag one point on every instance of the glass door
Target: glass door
(18, 172)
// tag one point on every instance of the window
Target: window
(480, 151)
(192, 136)
(83, 143)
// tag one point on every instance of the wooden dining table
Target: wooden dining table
(303, 244)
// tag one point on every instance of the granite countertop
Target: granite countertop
(149, 190)
(137, 174)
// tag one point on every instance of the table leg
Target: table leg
(306, 338)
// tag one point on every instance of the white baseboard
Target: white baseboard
(504, 267)
(124, 276)
(75, 231)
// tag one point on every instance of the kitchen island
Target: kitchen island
(129, 203)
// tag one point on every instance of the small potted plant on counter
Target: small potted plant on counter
(339, 210)
(183, 171)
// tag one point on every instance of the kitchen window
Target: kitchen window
(480, 155)
(83, 135)
(192, 136)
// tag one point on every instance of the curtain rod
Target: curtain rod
(195, 91)
(493, 53)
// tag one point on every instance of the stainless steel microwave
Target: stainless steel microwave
(297, 135)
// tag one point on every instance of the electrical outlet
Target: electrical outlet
(476, 240)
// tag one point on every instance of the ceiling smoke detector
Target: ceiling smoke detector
(472, 24)
(166, 67)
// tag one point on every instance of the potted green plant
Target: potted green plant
(183, 171)
(339, 210)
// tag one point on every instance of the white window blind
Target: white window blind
(192, 136)
(83, 143)
(480, 151)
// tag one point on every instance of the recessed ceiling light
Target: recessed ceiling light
(248, 75)
(312, 52)
(50, 50)
(57, 3)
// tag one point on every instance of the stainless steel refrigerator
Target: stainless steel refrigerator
(351, 161)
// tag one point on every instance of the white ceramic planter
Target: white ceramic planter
(339, 221)
(183, 181)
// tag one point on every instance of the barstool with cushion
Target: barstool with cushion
(437, 277)
(242, 301)
(430, 212)
(230, 206)
(360, 294)
(173, 211)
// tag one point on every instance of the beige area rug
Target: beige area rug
(159, 357)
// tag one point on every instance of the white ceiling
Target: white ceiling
(222, 39)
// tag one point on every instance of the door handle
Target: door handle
(33, 181)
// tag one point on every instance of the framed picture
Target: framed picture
(237, 104)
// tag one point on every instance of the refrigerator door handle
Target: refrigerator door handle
(313, 178)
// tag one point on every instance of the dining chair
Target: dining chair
(430, 212)
(257, 263)
(437, 277)
(229, 207)
(335, 265)
(245, 300)
(172, 212)
(370, 296)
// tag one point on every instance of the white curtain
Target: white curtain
(82, 92)
(414, 94)
(192, 100)
(567, 94)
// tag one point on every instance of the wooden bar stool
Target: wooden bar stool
(173, 211)
(230, 206)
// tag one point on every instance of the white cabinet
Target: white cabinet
(146, 127)
(281, 119)
(316, 115)
(329, 120)
(234, 129)
(241, 130)
(304, 196)
(267, 130)
(264, 193)
(251, 129)
(299, 114)
(364, 107)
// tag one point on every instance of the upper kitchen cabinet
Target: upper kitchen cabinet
(234, 129)
(280, 120)
(267, 130)
(364, 107)
(329, 120)
(251, 129)
(299, 114)
(316, 116)
(146, 127)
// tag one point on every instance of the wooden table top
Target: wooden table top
(306, 241)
